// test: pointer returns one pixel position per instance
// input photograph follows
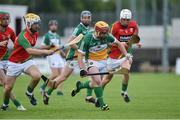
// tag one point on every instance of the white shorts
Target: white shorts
(4, 64)
(116, 63)
(101, 65)
(56, 61)
(15, 69)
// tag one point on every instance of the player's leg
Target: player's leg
(106, 79)
(124, 93)
(35, 74)
(12, 96)
(60, 86)
(13, 71)
(89, 98)
(61, 65)
(95, 83)
(52, 85)
(18, 105)
(54, 74)
(125, 82)
(98, 90)
(8, 86)
(55, 63)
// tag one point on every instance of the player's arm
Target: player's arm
(74, 45)
(81, 53)
(136, 32)
(4, 43)
(63, 54)
(75, 33)
(33, 51)
(13, 36)
(4, 40)
(121, 47)
(114, 29)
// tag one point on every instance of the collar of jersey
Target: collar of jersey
(84, 25)
(95, 38)
(52, 32)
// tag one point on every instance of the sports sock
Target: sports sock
(85, 85)
(49, 92)
(6, 101)
(124, 87)
(99, 94)
(89, 92)
(16, 103)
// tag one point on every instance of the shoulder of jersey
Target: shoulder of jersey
(132, 23)
(10, 29)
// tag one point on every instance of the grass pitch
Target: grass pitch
(153, 96)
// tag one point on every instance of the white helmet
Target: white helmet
(125, 14)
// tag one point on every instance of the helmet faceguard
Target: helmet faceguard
(101, 29)
(31, 19)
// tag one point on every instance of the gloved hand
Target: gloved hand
(128, 56)
(83, 73)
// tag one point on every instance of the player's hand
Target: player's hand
(4, 37)
(4, 43)
(83, 73)
(139, 45)
(48, 52)
(130, 61)
(128, 56)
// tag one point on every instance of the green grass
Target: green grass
(152, 96)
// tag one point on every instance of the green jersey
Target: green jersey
(52, 39)
(94, 48)
(78, 30)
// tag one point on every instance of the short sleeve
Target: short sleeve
(46, 40)
(76, 31)
(23, 42)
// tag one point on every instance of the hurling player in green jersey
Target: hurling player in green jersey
(51, 40)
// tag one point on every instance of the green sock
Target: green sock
(124, 87)
(6, 101)
(103, 88)
(85, 85)
(43, 86)
(29, 89)
(49, 92)
(16, 103)
(89, 92)
(99, 94)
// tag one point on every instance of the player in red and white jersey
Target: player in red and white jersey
(6, 34)
(20, 60)
(123, 31)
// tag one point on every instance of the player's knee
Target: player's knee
(64, 77)
(8, 87)
(98, 83)
(36, 76)
(126, 76)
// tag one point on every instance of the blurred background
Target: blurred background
(158, 20)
